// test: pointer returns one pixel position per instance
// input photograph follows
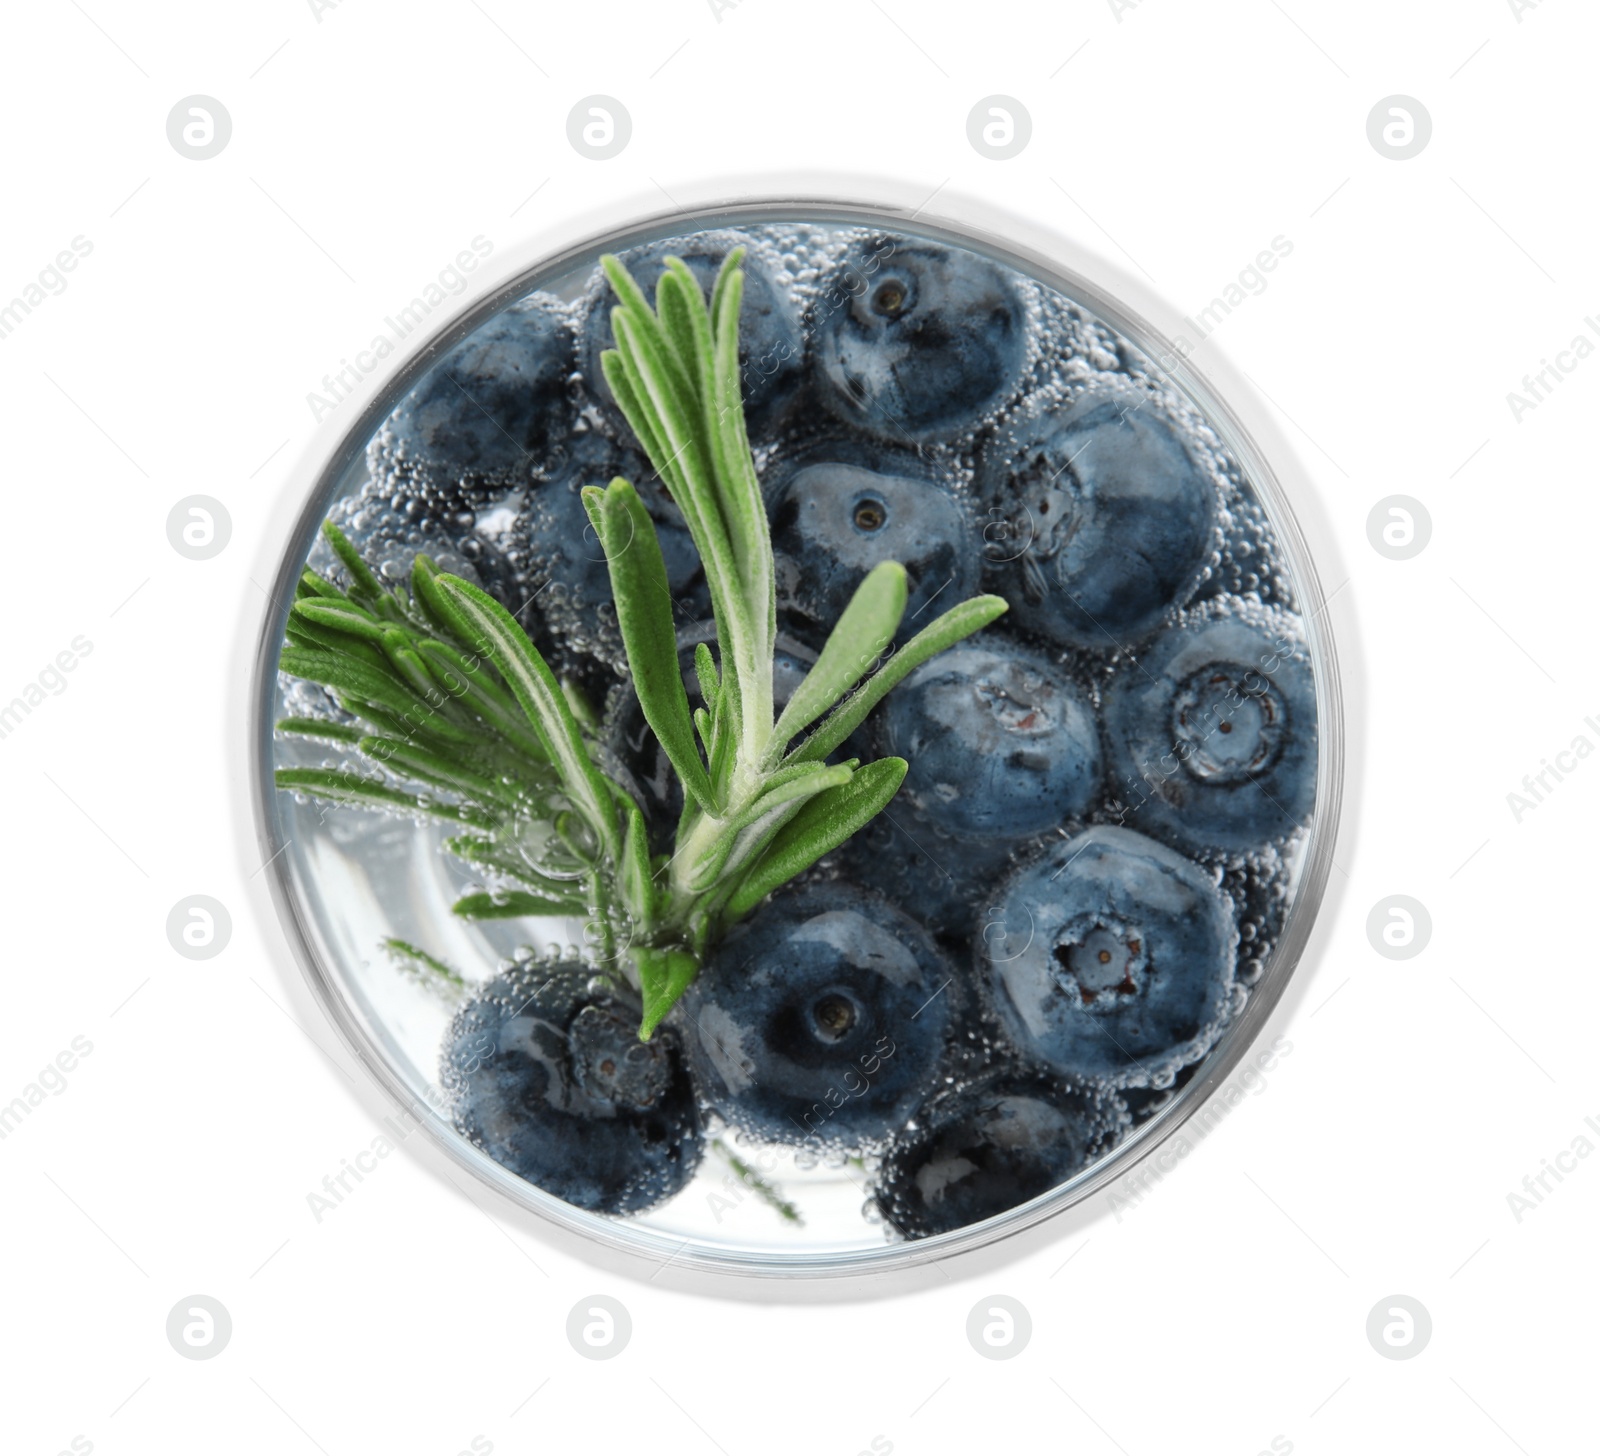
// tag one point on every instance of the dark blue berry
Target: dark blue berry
(916, 339)
(561, 554)
(1100, 519)
(394, 519)
(1001, 743)
(840, 510)
(940, 882)
(771, 345)
(550, 1079)
(496, 410)
(1212, 733)
(1111, 957)
(820, 1020)
(988, 1147)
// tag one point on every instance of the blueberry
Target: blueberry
(1001, 743)
(917, 339)
(1101, 519)
(1111, 957)
(989, 1147)
(635, 758)
(496, 409)
(939, 882)
(393, 519)
(842, 509)
(1212, 735)
(550, 1079)
(820, 1020)
(771, 345)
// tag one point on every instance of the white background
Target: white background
(370, 144)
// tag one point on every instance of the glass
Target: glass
(347, 880)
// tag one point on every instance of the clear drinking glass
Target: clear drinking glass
(345, 880)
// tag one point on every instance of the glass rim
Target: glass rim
(962, 226)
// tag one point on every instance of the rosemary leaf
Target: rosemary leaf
(363, 583)
(589, 720)
(541, 698)
(680, 306)
(620, 377)
(767, 1192)
(514, 905)
(304, 631)
(408, 761)
(626, 289)
(297, 636)
(644, 615)
(738, 490)
(705, 672)
(971, 616)
(358, 792)
(730, 266)
(513, 861)
(866, 627)
(362, 682)
(810, 780)
(638, 886)
(426, 968)
(440, 614)
(823, 824)
(325, 730)
(313, 585)
(664, 975)
(339, 616)
(475, 689)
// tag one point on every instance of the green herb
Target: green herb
(765, 1191)
(426, 969)
(448, 697)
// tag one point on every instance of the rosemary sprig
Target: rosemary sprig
(455, 704)
(426, 970)
(757, 811)
(434, 713)
(766, 1191)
